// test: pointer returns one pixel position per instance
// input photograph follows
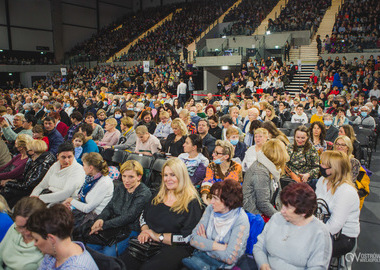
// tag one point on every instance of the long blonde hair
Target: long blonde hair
(184, 193)
(340, 166)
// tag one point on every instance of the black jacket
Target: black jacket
(209, 142)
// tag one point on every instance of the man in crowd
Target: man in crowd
(207, 139)
(55, 138)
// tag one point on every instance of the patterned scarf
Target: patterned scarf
(88, 184)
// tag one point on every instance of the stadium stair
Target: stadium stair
(308, 54)
(153, 28)
(300, 79)
(272, 15)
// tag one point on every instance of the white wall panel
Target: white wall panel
(3, 38)
(28, 13)
(27, 40)
(73, 35)
(3, 18)
(78, 15)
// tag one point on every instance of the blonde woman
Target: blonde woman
(111, 137)
(336, 187)
(248, 104)
(174, 143)
(261, 136)
(270, 115)
(169, 219)
(262, 180)
(185, 116)
(344, 144)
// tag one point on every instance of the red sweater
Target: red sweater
(62, 128)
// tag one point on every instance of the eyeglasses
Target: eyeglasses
(216, 153)
(340, 145)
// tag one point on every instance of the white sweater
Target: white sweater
(344, 208)
(63, 183)
(98, 197)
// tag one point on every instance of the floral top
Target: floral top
(301, 163)
(214, 174)
(191, 128)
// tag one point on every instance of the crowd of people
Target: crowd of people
(221, 156)
(170, 39)
(247, 16)
(120, 33)
(356, 28)
(300, 15)
(20, 58)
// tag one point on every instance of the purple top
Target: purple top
(16, 172)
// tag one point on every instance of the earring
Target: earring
(54, 251)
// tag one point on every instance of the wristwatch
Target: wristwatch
(161, 237)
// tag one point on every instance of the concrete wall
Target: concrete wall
(350, 56)
(213, 61)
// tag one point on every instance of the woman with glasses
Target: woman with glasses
(223, 167)
(17, 250)
(336, 187)
(343, 144)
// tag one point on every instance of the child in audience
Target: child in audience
(78, 140)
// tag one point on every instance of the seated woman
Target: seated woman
(232, 135)
(121, 215)
(146, 143)
(127, 140)
(39, 162)
(270, 115)
(336, 187)
(261, 184)
(294, 228)
(168, 219)
(223, 167)
(195, 157)
(111, 137)
(348, 130)
(343, 143)
(64, 178)
(97, 130)
(51, 230)
(304, 158)
(174, 143)
(14, 169)
(147, 120)
(340, 119)
(38, 134)
(319, 115)
(95, 193)
(164, 127)
(215, 130)
(18, 250)
(274, 132)
(101, 117)
(317, 133)
(220, 237)
(261, 136)
(185, 116)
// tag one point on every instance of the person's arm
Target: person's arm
(314, 163)
(73, 182)
(319, 259)
(344, 203)
(17, 170)
(261, 184)
(208, 181)
(95, 197)
(44, 183)
(9, 134)
(131, 213)
(114, 138)
(237, 241)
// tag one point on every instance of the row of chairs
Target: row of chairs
(152, 165)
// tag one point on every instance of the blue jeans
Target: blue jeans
(201, 261)
(111, 251)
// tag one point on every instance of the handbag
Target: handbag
(293, 175)
(143, 252)
(323, 214)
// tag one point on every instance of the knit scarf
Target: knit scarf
(221, 223)
(88, 184)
